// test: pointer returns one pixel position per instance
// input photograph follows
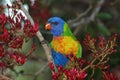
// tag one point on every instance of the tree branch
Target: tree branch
(96, 10)
(79, 21)
(80, 15)
(39, 35)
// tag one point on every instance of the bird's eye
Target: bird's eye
(56, 23)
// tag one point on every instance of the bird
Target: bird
(64, 42)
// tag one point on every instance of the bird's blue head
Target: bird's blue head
(55, 25)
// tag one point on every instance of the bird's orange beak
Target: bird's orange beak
(48, 26)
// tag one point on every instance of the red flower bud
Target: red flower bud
(2, 64)
(2, 19)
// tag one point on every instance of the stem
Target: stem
(89, 65)
(105, 75)
(40, 71)
(102, 58)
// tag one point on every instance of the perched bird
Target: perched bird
(63, 42)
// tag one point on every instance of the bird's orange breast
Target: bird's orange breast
(65, 45)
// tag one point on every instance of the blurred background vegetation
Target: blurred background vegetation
(98, 17)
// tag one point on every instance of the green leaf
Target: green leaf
(91, 30)
(103, 30)
(27, 45)
(31, 67)
(98, 74)
(104, 16)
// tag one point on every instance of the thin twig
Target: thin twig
(89, 65)
(40, 71)
(80, 15)
(86, 20)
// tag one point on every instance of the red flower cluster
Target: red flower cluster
(20, 25)
(14, 30)
(5, 37)
(9, 59)
(30, 30)
(109, 76)
(20, 59)
(1, 7)
(101, 44)
(2, 19)
(2, 64)
(16, 42)
(73, 72)
(2, 51)
(39, 13)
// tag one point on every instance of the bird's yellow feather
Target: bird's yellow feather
(65, 45)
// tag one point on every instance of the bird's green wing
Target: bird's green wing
(67, 31)
(79, 54)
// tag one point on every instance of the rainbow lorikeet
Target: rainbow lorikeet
(63, 42)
